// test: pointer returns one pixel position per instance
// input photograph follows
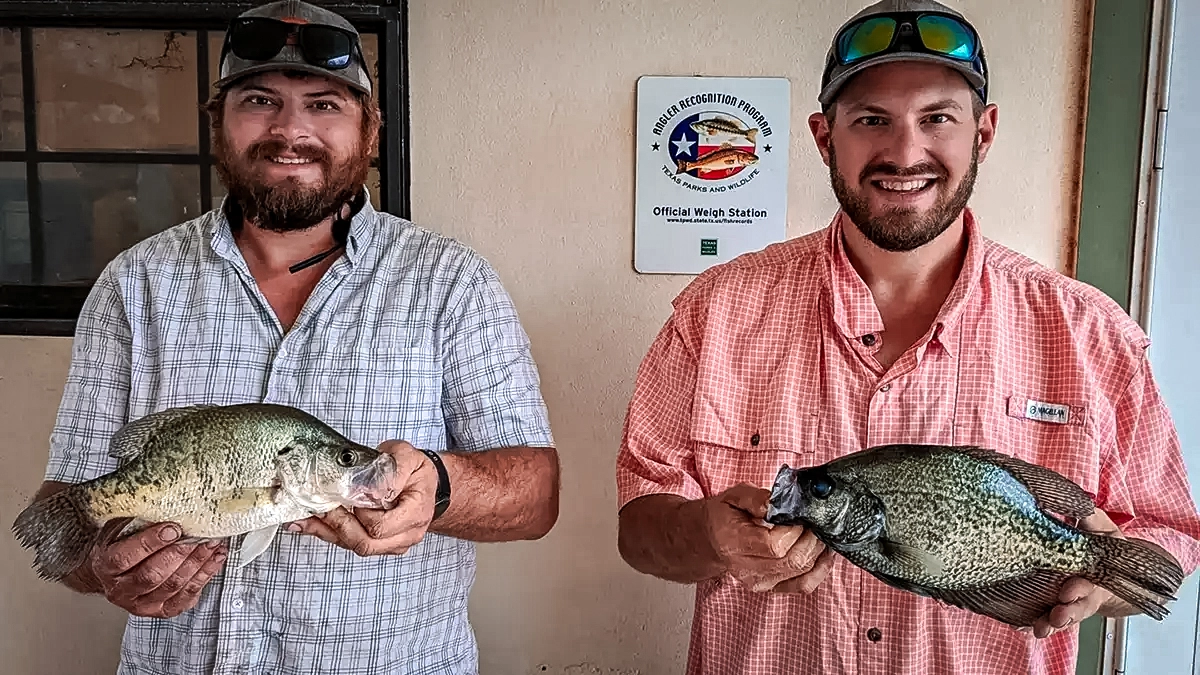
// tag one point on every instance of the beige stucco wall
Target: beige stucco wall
(522, 115)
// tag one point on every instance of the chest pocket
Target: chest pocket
(746, 436)
(384, 388)
(213, 363)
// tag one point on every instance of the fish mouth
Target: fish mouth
(373, 486)
(787, 500)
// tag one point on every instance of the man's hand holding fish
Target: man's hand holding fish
(724, 534)
(148, 573)
(780, 559)
(390, 531)
(1081, 598)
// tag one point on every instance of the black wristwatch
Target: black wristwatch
(443, 488)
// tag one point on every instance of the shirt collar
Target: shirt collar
(854, 310)
(358, 237)
(964, 287)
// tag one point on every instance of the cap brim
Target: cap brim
(301, 67)
(835, 85)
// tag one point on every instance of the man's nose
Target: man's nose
(907, 147)
(288, 123)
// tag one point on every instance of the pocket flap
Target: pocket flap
(747, 429)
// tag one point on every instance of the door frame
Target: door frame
(1125, 113)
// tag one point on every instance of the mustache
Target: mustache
(896, 171)
(274, 146)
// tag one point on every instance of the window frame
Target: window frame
(48, 310)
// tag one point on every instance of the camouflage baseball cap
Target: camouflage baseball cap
(336, 54)
(875, 39)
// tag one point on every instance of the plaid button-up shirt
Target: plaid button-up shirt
(763, 362)
(409, 335)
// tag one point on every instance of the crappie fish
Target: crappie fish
(721, 125)
(968, 526)
(218, 471)
(726, 157)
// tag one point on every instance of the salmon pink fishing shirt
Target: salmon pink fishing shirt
(770, 360)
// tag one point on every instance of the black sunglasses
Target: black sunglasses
(260, 39)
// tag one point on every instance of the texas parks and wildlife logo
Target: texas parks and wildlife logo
(712, 142)
(712, 163)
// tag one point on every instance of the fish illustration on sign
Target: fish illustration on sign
(712, 146)
(717, 125)
(724, 159)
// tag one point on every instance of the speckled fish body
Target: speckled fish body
(217, 471)
(971, 527)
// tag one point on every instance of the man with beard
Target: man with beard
(297, 292)
(898, 323)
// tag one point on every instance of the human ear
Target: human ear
(818, 124)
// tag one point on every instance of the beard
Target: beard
(288, 205)
(904, 228)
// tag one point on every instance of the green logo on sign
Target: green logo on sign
(708, 247)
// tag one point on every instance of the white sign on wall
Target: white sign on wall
(712, 164)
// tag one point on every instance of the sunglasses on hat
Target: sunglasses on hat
(941, 35)
(260, 39)
(935, 33)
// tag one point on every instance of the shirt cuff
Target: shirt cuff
(631, 487)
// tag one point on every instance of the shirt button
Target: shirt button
(237, 604)
(885, 387)
(868, 339)
(874, 635)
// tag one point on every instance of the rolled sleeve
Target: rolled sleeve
(1144, 486)
(656, 450)
(492, 388)
(95, 399)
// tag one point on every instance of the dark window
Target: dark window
(102, 142)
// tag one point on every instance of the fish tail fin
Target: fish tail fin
(681, 166)
(752, 135)
(1136, 573)
(59, 530)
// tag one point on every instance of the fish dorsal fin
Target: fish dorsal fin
(130, 439)
(911, 557)
(255, 543)
(1052, 491)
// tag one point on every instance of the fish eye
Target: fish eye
(821, 488)
(347, 458)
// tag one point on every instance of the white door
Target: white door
(1171, 647)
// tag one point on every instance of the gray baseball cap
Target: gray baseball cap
(291, 56)
(837, 75)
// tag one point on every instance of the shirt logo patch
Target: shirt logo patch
(1024, 407)
(1047, 412)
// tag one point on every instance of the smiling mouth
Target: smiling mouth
(905, 187)
(290, 160)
